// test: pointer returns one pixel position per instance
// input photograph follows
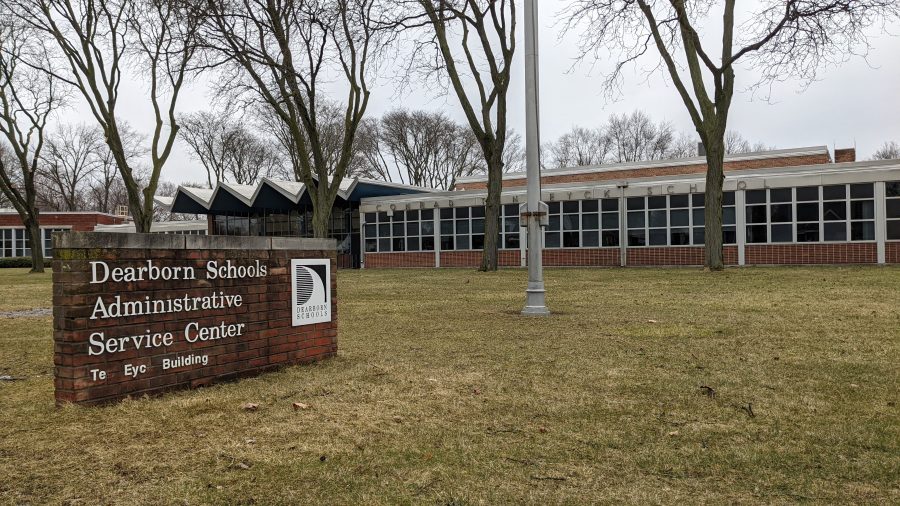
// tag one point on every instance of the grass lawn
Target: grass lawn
(443, 394)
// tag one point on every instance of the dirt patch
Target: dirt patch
(28, 313)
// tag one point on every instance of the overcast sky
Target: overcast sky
(856, 104)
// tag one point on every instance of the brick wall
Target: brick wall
(582, 257)
(837, 253)
(736, 165)
(80, 222)
(268, 338)
(506, 258)
(675, 255)
(382, 260)
(892, 252)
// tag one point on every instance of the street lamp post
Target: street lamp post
(534, 213)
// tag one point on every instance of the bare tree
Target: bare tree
(27, 99)
(281, 53)
(69, 162)
(577, 148)
(779, 39)
(107, 188)
(97, 39)
(227, 149)
(736, 143)
(635, 137)
(472, 43)
(888, 151)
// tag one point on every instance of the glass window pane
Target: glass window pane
(478, 212)
(427, 214)
(807, 193)
(893, 208)
(808, 212)
(371, 245)
(893, 230)
(698, 199)
(399, 216)
(807, 232)
(756, 196)
(383, 217)
(511, 241)
(570, 222)
(635, 203)
(369, 217)
(862, 209)
(835, 232)
(571, 239)
(679, 236)
(862, 231)
(657, 218)
(446, 242)
(729, 235)
(589, 206)
(570, 206)
(728, 217)
(412, 228)
(553, 223)
(462, 242)
(462, 212)
(699, 234)
(834, 192)
(478, 241)
(590, 239)
(636, 219)
(399, 244)
(862, 191)
(446, 226)
(610, 238)
(658, 202)
(398, 229)
(552, 207)
(679, 218)
(512, 224)
(756, 214)
(370, 230)
(551, 239)
(757, 234)
(428, 243)
(412, 244)
(699, 216)
(728, 199)
(833, 211)
(781, 213)
(412, 215)
(636, 237)
(513, 209)
(658, 237)
(678, 200)
(446, 213)
(590, 221)
(462, 226)
(780, 195)
(384, 230)
(610, 221)
(384, 244)
(782, 233)
(478, 226)
(427, 227)
(610, 204)
(892, 188)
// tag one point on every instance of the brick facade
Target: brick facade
(662, 170)
(892, 252)
(79, 222)
(267, 341)
(836, 253)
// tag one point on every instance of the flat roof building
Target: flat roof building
(14, 241)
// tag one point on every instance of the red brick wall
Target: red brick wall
(506, 258)
(412, 259)
(269, 340)
(837, 253)
(582, 257)
(892, 252)
(80, 222)
(787, 161)
(845, 155)
(675, 255)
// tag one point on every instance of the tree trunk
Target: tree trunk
(715, 177)
(142, 221)
(320, 218)
(492, 211)
(33, 229)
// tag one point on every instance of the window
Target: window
(48, 240)
(582, 224)
(14, 242)
(404, 231)
(892, 207)
(811, 214)
(674, 220)
(509, 227)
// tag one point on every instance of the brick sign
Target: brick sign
(138, 314)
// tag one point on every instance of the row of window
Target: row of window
(280, 223)
(830, 213)
(14, 242)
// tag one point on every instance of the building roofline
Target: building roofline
(6, 211)
(671, 162)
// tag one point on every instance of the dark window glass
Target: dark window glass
(781, 213)
(590, 221)
(399, 244)
(590, 239)
(462, 212)
(757, 234)
(635, 203)
(679, 236)
(780, 195)
(892, 189)
(862, 209)
(610, 204)
(657, 218)
(446, 242)
(807, 193)
(382, 217)
(728, 216)
(893, 208)
(835, 232)
(756, 214)
(371, 245)
(412, 215)
(610, 221)
(428, 243)
(570, 222)
(478, 241)
(699, 217)
(399, 216)
(808, 212)
(699, 234)
(462, 242)
(589, 206)
(412, 228)
(398, 229)
(834, 192)
(427, 214)
(446, 226)
(833, 211)
(427, 227)
(412, 244)
(807, 232)
(384, 244)
(512, 224)
(570, 206)
(384, 230)
(610, 238)
(679, 218)
(571, 240)
(656, 202)
(862, 191)
(553, 223)
(446, 213)
(478, 226)
(636, 219)
(370, 230)
(513, 209)
(370, 217)
(678, 200)
(636, 238)
(698, 199)
(893, 230)
(782, 233)
(862, 231)
(512, 241)
(756, 197)
(728, 199)
(657, 237)
(462, 226)
(551, 239)
(729, 235)
(478, 212)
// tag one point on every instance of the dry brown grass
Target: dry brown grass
(442, 393)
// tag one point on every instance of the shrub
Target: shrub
(15, 262)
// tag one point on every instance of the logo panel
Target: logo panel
(310, 291)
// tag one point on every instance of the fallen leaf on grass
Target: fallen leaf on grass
(250, 406)
(652, 321)
(299, 405)
(673, 433)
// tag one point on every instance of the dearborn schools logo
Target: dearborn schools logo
(310, 291)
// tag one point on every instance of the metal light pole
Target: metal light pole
(535, 211)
